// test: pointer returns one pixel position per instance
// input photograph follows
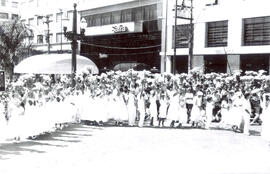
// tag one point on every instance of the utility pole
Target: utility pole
(191, 39)
(61, 33)
(174, 48)
(191, 31)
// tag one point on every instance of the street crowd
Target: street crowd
(36, 104)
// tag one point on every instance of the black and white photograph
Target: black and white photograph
(135, 86)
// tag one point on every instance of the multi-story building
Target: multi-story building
(46, 19)
(8, 10)
(124, 33)
(228, 35)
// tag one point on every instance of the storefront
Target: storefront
(127, 33)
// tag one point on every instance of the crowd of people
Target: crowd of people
(36, 104)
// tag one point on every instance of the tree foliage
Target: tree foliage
(12, 44)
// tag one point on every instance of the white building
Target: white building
(228, 35)
(8, 9)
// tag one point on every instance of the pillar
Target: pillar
(233, 63)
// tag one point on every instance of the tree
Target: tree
(12, 44)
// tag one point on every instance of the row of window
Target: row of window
(145, 13)
(59, 16)
(42, 39)
(6, 16)
(13, 3)
(256, 31)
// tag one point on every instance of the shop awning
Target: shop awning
(54, 64)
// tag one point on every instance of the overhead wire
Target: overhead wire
(121, 48)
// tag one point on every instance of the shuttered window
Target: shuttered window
(256, 31)
(217, 34)
(182, 36)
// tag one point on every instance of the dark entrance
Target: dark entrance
(181, 64)
(215, 63)
(145, 48)
(254, 62)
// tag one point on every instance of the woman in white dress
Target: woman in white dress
(196, 112)
(224, 111)
(153, 108)
(265, 133)
(163, 110)
(141, 108)
(246, 114)
(209, 111)
(131, 108)
(237, 111)
(183, 116)
(173, 110)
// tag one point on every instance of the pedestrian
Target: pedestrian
(246, 114)
(163, 109)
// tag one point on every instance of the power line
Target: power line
(127, 54)
(122, 48)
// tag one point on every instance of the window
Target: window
(126, 15)
(96, 21)
(40, 39)
(256, 31)
(3, 15)
(69, 15)
(150, 12)
(39, 20)
(116, 17)
(106, 19)
(3, 2)
(182, 36)
(58, 17)
(14, 4)
(138, 14)
(58, 38)
(31, 21)
(14, 16)
(217, 34)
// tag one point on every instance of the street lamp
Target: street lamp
(73, 36)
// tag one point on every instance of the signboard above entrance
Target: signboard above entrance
(129, 27)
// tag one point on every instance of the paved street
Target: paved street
(137, 150)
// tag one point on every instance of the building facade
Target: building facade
(124, 34)
(46, 19)
(228, 35)
(8, 10)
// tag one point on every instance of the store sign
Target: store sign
(127, 27)
(120, 29)
(2, 80)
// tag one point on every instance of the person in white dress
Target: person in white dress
(163, 109)
(173, 110)
(153, 108)
(141, 108)
(246, 114)
(265, 132)
(224, 111)
(209, 111)
(183, 116)
(237, 111)
(131, 108)
(196, 112)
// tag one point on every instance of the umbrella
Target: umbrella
(54, 64)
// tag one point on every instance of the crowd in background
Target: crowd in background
(38, 104)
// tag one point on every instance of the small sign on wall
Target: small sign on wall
(2, 80)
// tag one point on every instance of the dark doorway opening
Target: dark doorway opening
(254, 62)
(215, 63)
(181, 64)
